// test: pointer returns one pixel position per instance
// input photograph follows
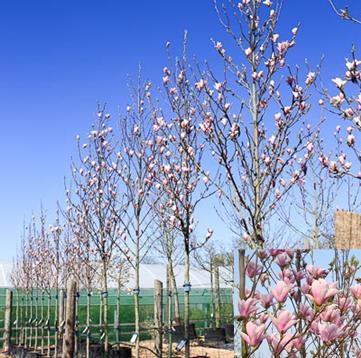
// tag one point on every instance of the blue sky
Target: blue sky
(60, 58)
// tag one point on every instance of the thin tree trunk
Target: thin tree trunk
(218, 297)
(105, 307)
(258, 235)
(17, 334)
(242, 294)
(118, 316)
(299, 298)
(26, 331)
(21, 341)
(136, 308)
(42, 340)
(177, 315)
(48, 322)
(169, 307)
(56, 323)
(88, 302)
(212, 294)
(186, 303)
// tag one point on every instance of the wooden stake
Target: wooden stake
(158, 317)
(68, 339)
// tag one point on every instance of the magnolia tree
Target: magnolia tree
(346, 104)
(294, 308)
(178, 174)
(254, 116)
(91, 202)
(169, 247)
(313, 202)
(134, 166)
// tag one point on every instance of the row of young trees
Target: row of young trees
(240, 136)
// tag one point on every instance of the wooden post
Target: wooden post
(242, 291)
(68, 338)
(348, 230)
(218, 296)
(158, 317)
(7, 321)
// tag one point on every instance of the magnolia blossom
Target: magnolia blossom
(356, 291)
(254, 335)
(247, 307)
(321, 291)
(281, 291)
(339, 82)
(283, 321)
(329, 331)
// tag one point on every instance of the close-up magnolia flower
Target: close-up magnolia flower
(281, 291)
(283, 321)
(247, 307)
(321, 291)
(254, 334)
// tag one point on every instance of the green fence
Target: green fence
(36, 303)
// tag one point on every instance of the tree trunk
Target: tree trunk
(7, 321)
(136, 311)
(212, 294)
(88, 303)
(26, 319)
(105, 307)
(48, 324)
(177, 315)
(257, 221)
(242, 294)
(21, 340)
(169, 308)
(42, 317)
(36, 319)
(118, 316)
(186, 303)
(218, 297)
(17, 335)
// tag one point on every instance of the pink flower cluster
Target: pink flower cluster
(292, 305)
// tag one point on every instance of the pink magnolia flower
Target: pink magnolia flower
(254, 335)
(247, 307)
(281, 291)
(283, 260)
(266, 300)
(339, 82)
(306, 312)
(316, 272)
(310, 78)
(329, 331)
(331, 314)
(253, 270)
(344, 303)
(248, 51)
(201, 84)
(283, 321)
(321, 291)
(348, 165)
(356, 291)
(350, 140)
(278, 344)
